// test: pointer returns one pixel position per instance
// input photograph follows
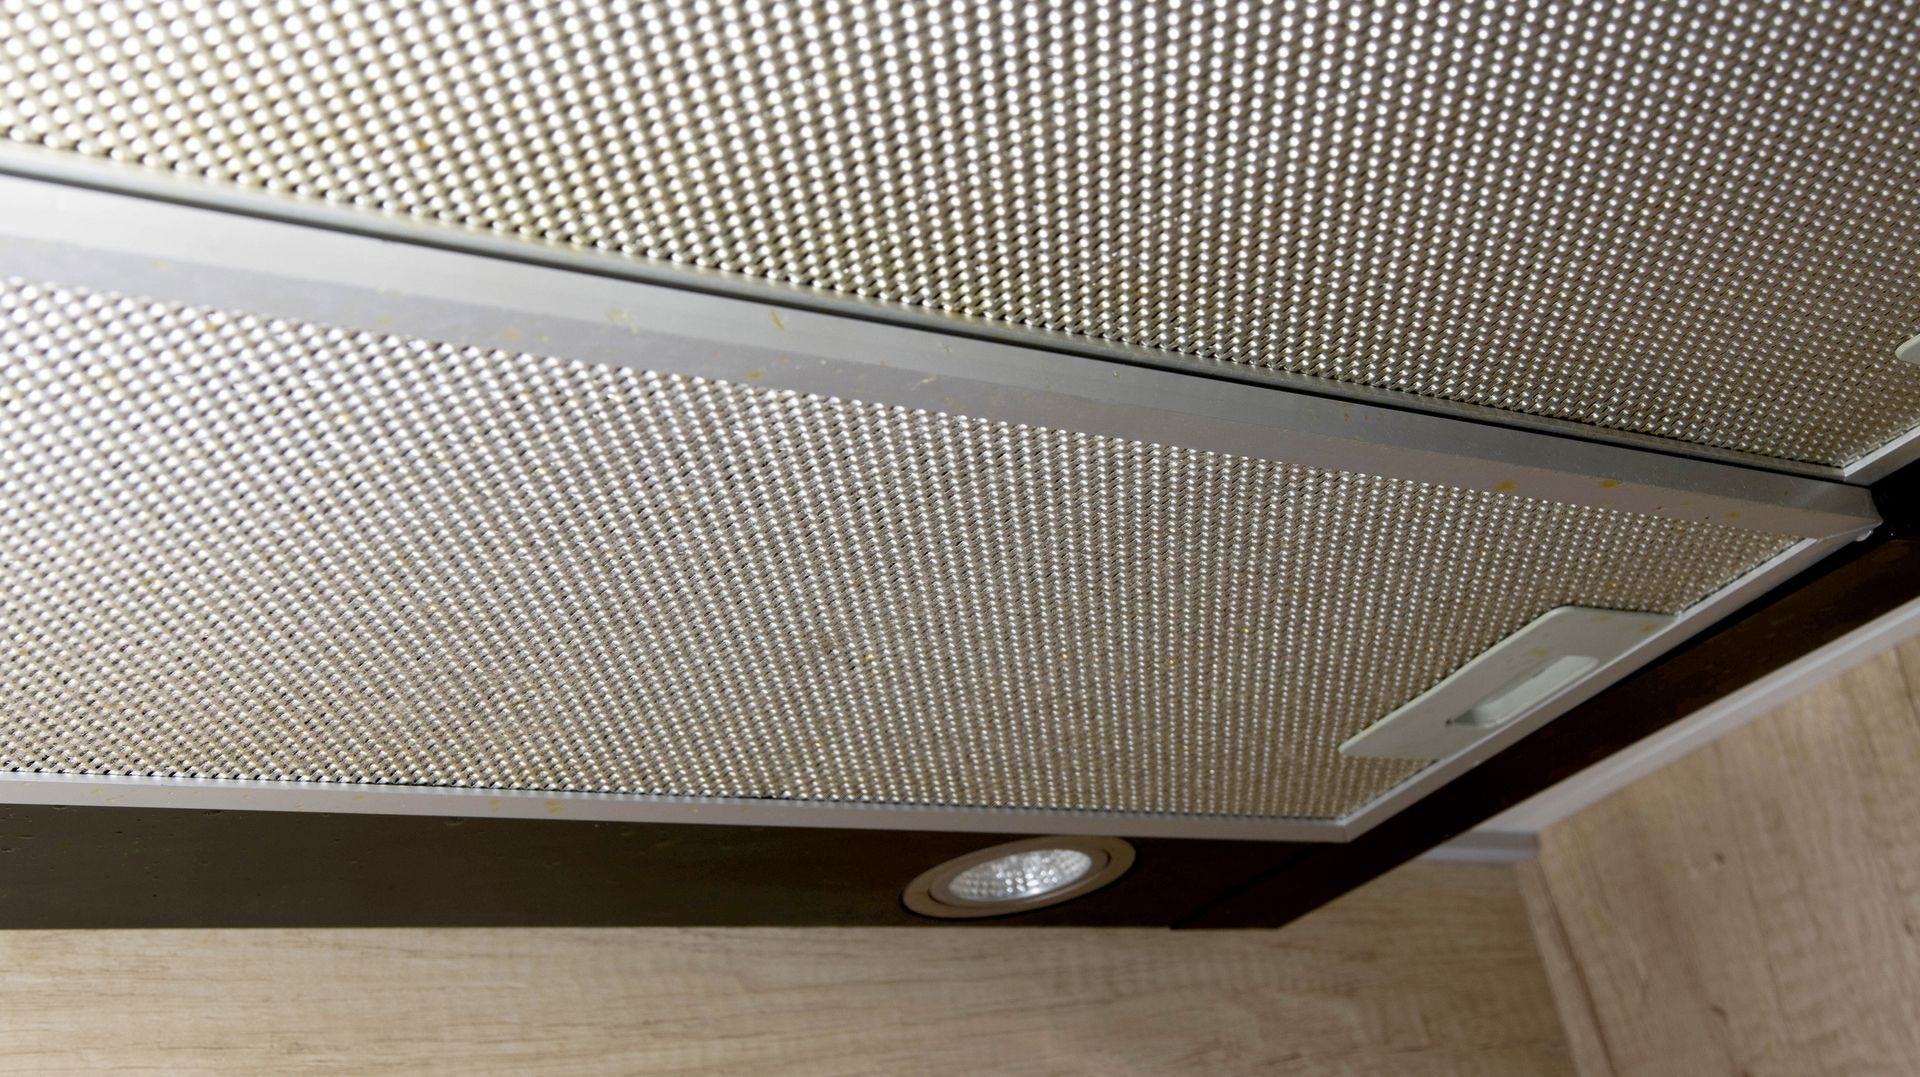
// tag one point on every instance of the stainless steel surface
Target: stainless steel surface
(1657, 219)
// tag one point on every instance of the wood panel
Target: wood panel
(1429, 971)
(1570, 995)
(1754, 909)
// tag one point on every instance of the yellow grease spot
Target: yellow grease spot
(778, 322)
(1507, 486)
(1608, 484)
(553, 807)
(755, 375)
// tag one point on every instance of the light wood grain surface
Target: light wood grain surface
(1430, 971)
(1753, 909)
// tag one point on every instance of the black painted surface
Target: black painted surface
(145, 867)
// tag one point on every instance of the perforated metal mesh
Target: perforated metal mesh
(1693, 221)
(238, 547)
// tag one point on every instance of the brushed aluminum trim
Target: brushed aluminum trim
(38, 162)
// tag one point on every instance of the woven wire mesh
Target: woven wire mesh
(1691, 221)
(232, 546)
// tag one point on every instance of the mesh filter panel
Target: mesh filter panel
(1692, 221)
(241, 547)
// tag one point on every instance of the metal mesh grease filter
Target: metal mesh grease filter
(1693, 221)
(233, 546)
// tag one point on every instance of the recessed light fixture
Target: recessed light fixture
(1018, 876)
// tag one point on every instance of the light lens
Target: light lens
(1019, 876)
